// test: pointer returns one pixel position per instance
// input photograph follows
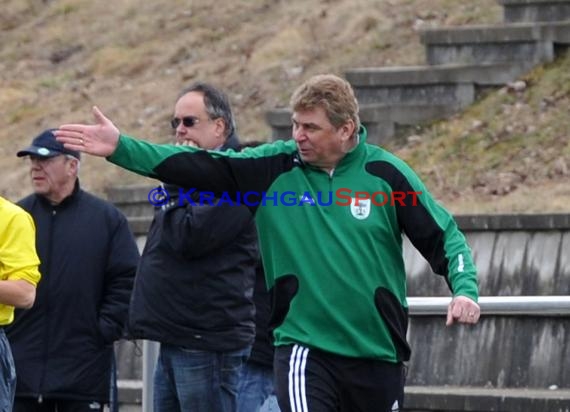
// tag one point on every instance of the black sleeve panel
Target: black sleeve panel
(223, 174)
(415, 221)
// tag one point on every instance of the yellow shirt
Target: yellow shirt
(18, 257)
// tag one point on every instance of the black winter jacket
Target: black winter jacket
(194, 284)
(63, 346)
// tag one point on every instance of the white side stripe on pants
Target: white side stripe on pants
(297, 393)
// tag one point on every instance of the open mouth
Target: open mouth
(187, 142)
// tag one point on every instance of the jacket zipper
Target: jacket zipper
(47, 308)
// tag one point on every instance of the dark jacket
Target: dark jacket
(262, 350)
(63, 346)
(194, 284)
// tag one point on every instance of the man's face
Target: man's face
(203, 132)
(319, 143)
(52, 176)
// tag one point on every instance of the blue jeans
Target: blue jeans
(187, 380)
(7, 375)
(256, 392)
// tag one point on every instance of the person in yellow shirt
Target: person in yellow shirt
(19, 276)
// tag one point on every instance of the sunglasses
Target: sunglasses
(187, 121)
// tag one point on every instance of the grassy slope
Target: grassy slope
(510, 152)
(131, 57)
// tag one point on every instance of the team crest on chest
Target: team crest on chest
(361, 210)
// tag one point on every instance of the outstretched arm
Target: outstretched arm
(218, 172)
(100, 139)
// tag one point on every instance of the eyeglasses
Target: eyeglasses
(187, 121)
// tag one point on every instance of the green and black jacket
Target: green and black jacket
(335, 269)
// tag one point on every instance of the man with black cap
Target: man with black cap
(63, 346)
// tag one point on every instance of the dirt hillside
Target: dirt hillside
(131, 57)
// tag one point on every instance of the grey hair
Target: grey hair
(70, 157)
(216, 102)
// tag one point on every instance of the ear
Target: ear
(220, 128)
(73, 167)
(347, 130)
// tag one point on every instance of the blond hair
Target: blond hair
(334, 94)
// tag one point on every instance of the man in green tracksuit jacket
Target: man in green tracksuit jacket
(331, 211)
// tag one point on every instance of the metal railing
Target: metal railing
(497, 305)
(418, 306)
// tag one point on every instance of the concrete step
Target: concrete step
(469, 399)
(134, 202)
(491, 74)
(518, 11)
(451, 85)
(405, 114)
(525, 43)
(129, 194)
(457, 95)
(381, 120)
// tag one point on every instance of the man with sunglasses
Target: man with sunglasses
(194, 286)
(63, 346)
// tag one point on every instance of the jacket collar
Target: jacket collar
(232, 142)
(74, 194)
(356, 152)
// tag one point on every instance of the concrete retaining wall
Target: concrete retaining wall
(518, 11)
(516, 255)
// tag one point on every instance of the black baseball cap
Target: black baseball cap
(46, 145)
